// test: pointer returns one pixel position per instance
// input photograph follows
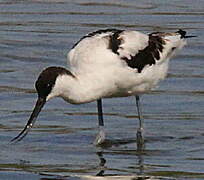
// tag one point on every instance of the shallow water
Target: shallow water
(35, 34)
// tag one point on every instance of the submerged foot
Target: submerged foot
(100, 138)
(140, 140)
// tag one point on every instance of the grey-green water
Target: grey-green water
(35, 34)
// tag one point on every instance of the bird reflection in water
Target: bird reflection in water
(139, 166)
(101, 164)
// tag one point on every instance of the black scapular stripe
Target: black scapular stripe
(148, 55)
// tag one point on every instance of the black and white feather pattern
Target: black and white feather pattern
(123, 62)
(107, 63)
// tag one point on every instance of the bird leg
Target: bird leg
(100, 138)
(140, 130)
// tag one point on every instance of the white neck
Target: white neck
(76, 90)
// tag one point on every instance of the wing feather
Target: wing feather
(104, 47)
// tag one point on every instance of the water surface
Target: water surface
(35, 34)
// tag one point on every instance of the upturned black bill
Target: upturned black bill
(38, 106)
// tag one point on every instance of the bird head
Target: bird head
(45, 86)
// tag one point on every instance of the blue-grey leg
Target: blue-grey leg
(100, 112)
(140, 130)
(100, 138)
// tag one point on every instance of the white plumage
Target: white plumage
(101, 73)
(108, 63)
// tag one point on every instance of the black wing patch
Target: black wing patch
(148, 55)
(98, 32)
(115, 42)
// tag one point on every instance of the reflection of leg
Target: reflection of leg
(101, 165)
(140, 130)
(100, 138)
(141, 164)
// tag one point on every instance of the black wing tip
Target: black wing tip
(183, 34)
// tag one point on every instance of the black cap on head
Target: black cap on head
(47, 78)
(46, 81)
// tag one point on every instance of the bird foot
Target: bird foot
(100, 138)
(140, 140)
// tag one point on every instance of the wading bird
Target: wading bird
(105, 64)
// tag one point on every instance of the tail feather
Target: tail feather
(180, 32)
